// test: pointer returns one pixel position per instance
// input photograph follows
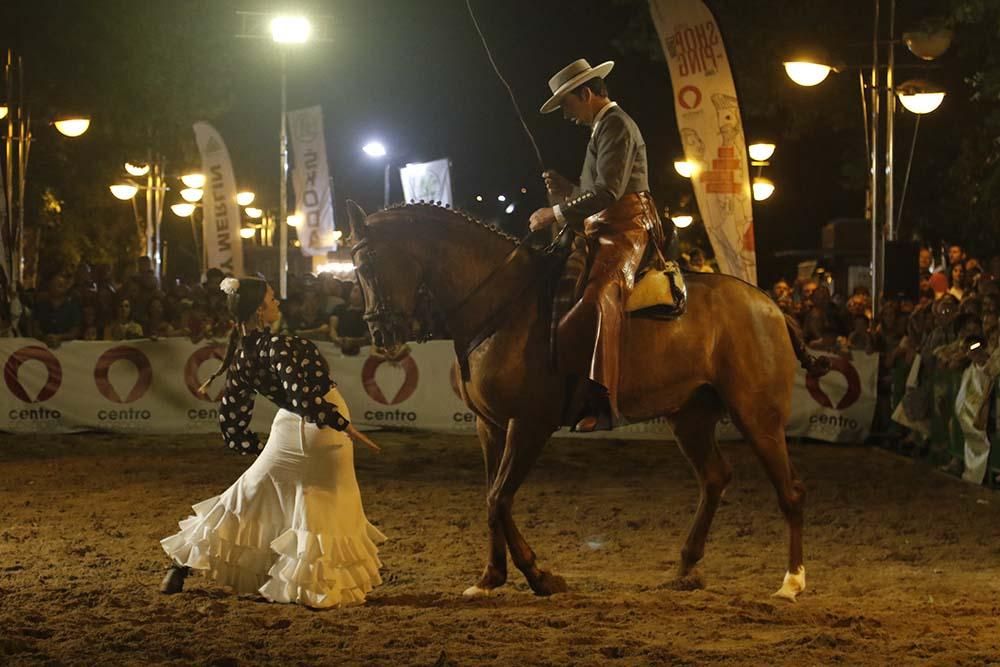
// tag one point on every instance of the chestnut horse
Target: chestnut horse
(733, 352)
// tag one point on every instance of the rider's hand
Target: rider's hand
(557, 185)
(358, 436)
(541, 219)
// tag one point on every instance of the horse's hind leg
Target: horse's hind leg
(766, 432)
(525, 439)
(694, 427)
(492, 440)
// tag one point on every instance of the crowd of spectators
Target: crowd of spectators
(88, 304)
(939, 355)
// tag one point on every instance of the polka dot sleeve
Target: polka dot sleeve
(305, 377)
(235, 411)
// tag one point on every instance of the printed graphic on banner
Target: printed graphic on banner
(427, 181)
(221, 227)
(152, 387)
(311, 181)
(711, 130)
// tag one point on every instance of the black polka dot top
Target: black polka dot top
(287, 370)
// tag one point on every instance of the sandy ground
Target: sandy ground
(903, 564)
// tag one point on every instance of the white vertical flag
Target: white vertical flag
(311, 180)
(708, 117)
(221, 226)
(427, 181)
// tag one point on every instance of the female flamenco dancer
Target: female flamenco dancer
(292, 527)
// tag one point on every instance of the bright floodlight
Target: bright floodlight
(72, 127)
(193, 180)
(136, 169)
(247, 232)
(374, 149)
(3, 111)
(920, 96)
(192, 195)
(337, 235)
(761, 152)
(290, 29)
(684, 168)
(479, 198)
(762, 188)
(509, 209)
(682, 221)
(501, 197)
(245, 198)
(254, 212)
(182, 209)
(124, 191)
(294, 220)
(806, 73)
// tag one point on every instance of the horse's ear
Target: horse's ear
(356, 215)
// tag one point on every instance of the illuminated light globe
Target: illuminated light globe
(761, 152)
(290, 29)
(193, 180)
(919, 97)
(72, 127)
(684, 167)
(182, 210)
(763, 188)
(806, 73)
(192, 195)
(374, 149)
(124, 191)
(254, 212)
(247, 232)
(682, 221)
(136, 169)
(3, 111)
(245, 198)
(294, 220)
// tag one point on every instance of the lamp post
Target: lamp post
(153, 170)
(917, 97)
(17, 147)
(187, 210)
(376, 149)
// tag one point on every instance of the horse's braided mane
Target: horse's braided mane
(438, 207)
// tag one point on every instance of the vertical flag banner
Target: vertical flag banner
(427, 181)
(221, 226)
(311, 181)
(708, 117)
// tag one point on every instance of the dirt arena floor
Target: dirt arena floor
(903, 564)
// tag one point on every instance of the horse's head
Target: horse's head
(390, 280)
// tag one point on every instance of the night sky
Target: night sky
(414, 75)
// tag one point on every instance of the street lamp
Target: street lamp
(682, 221)
(685, 168)
(187, 210)
(192, 195)
(763, 188)
(193, 180)
(245, 198)
(914, 96)
(761, 151)
(125, 190)
(376, 149)
(17, 147)
(149, 234)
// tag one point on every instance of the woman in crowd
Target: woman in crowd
(292, 527)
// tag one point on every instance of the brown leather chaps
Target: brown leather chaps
(590, 334)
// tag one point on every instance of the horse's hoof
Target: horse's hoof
(548, 584)
(473, 592)
(692, 581)
(792, 585)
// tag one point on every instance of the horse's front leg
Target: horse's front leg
(492, 439)
(525, 439)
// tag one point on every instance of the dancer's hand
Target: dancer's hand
(358, 436)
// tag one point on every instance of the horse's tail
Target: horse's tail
(815, 366)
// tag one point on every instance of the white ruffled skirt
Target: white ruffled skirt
(292, 527)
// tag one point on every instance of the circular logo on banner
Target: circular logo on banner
(689, 97)
(850, 397)
(33, 353)
(406, 389)
(130, 354)
(193, 365)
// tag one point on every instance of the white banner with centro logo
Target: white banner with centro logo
(151, 387)
(708, 117)
(221, 222)
(311, 181)
(427, 181)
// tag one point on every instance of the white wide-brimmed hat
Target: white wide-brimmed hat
(571, 76)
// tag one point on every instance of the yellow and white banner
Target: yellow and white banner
(311, 181)
(427, 181)
(221, 225)
(708, 117)
(151, 387)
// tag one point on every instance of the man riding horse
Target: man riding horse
(613, 209)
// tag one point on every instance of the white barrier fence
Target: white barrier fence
(150, 387)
